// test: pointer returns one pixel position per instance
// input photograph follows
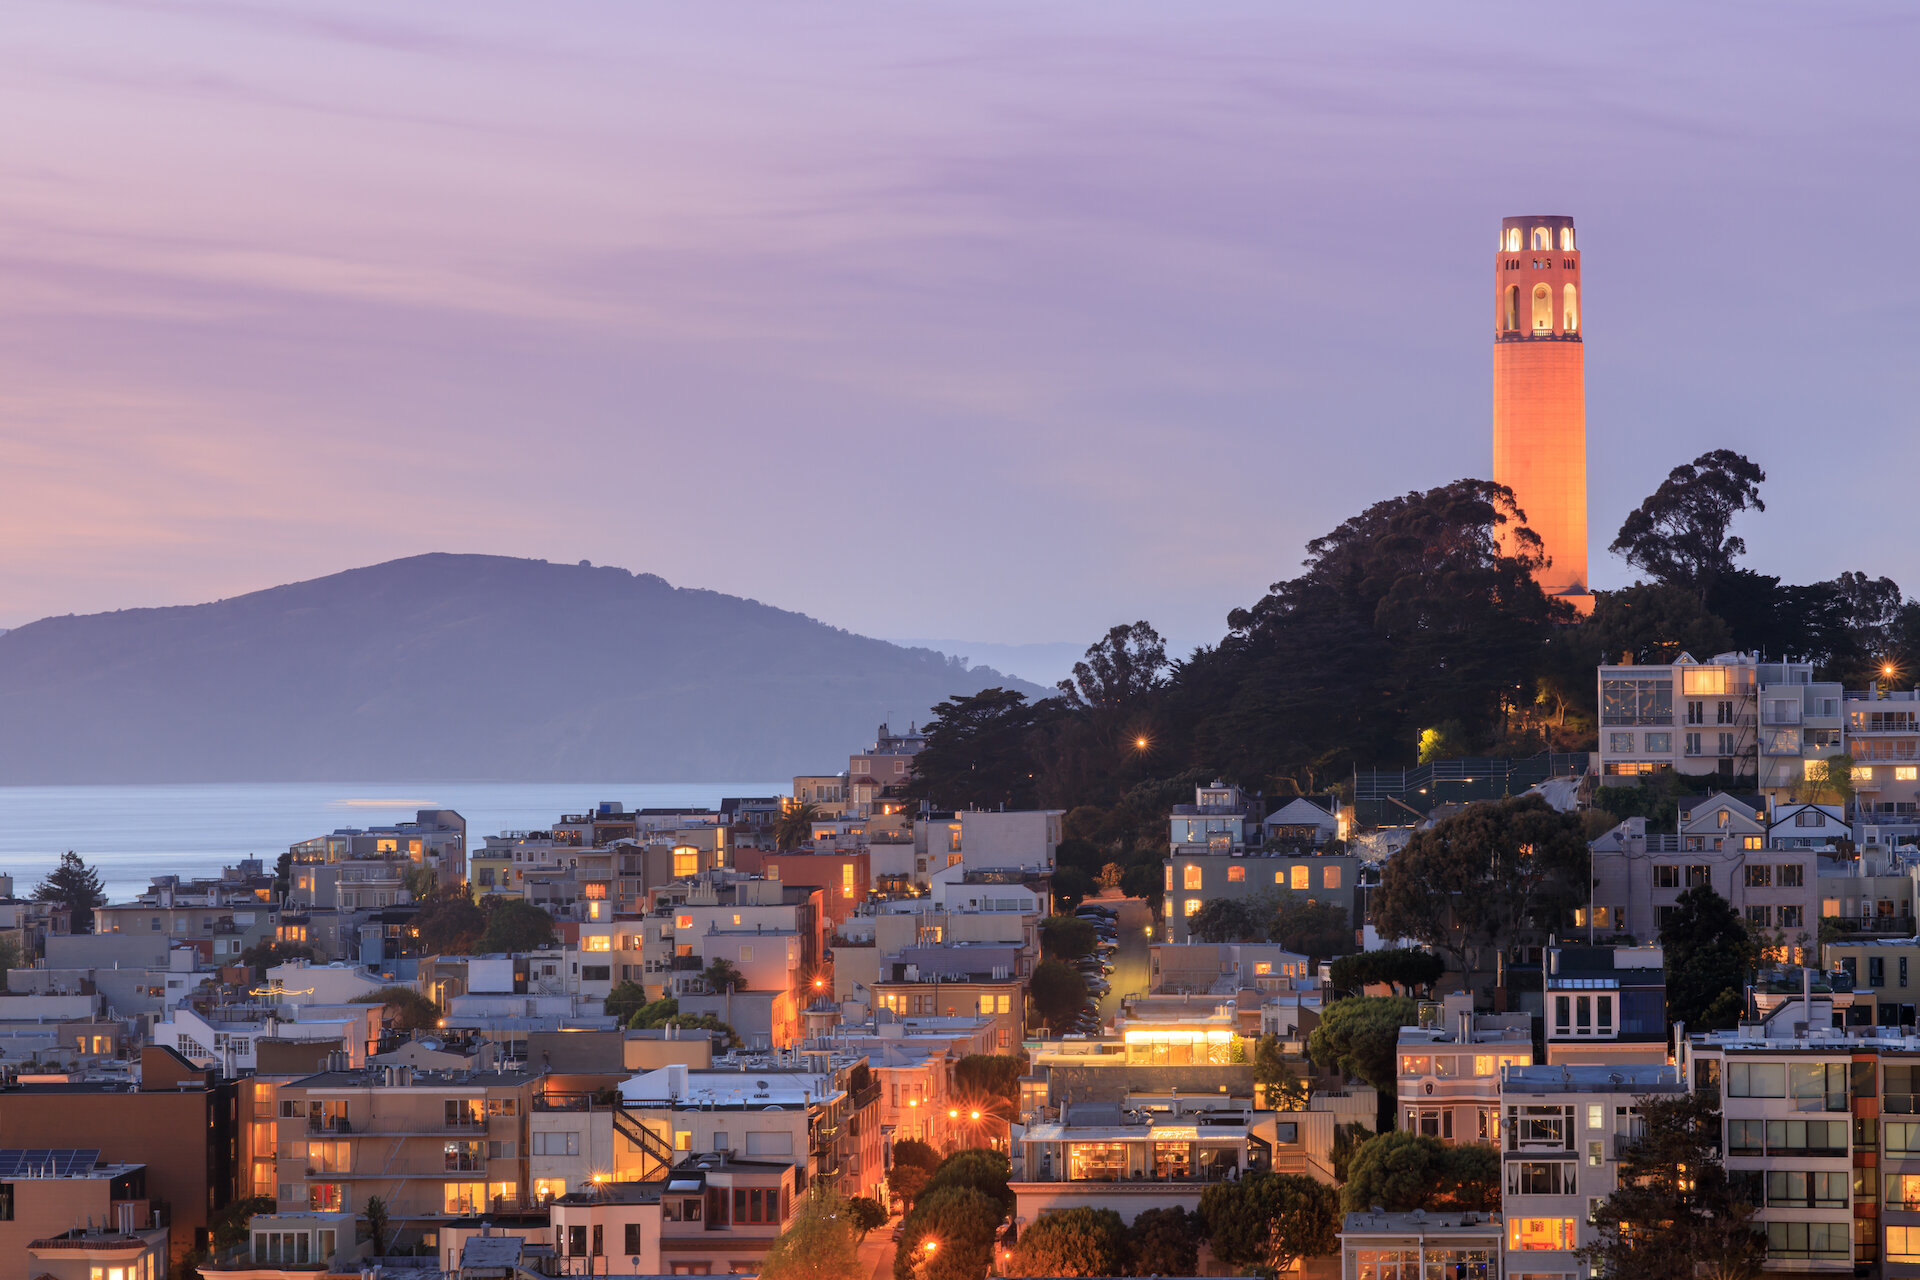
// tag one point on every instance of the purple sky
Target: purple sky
(1004, 321)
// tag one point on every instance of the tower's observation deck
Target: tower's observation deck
(1539, 392)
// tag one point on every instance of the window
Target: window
(1726, 742)
(1876, 971)
(1817, 1086)
(1236, 875)
(1792, 876)
(1789, 1189)
(631, 1240)
(1510, 312)
(1795, 918)
(1330, 877)
(1903, 1191)
(1906, 773)
(1620, 744)
(1570, 316)
(1807, 1137)
(1193, 875)
(1660, 744)
(1809, 1240)
(1761, 916)
(1300, 877)
(1191, 907)
(1760, 876)
(1903, 1138)
(1541, 1177)
(1693, 744)
(1666, 876)
(556, 1144)
(1746, 1137)
(1699, 874)
(1540, 1233)
(1756, 1080)
(1633, 701)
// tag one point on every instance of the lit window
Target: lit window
(597, 942)
(1540, 1233)
(1566, 239)
(1003, 1004)
(683, 922)
(1236, 875)
(1542, 308)
(593, 892)
(1330, 877)
(1863, 773)
(1301, 877)
(1193, 874)
(1262, 967)
(1906, 773)
(1192, 907)
(1169, 870)
(1571, 310)
(686, 861)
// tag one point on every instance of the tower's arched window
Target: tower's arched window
(1542, 238)
(1510, 312)
(1513, 239)
(1542, 309)
(1566, 239)
(1572, 321)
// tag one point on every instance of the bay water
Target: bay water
(132, 833)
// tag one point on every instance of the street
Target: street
(1129, 976)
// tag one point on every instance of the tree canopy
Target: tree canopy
(1072, 1242)
(989, 1075)
(1266, 1221)
(1358, 1038)
(76, 886)
(1407, 970)
(405, 1009)
(1675, 1207)
(1679, 534)
(1068, 937)
(1057, 994)
(962, 1223)
(1165, 1242)
(514, 924)
(1708, 953)
(820, 1242)
(1402, 1171)
(1485, 876)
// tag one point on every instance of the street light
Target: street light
(930, 1246)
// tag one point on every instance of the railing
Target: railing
(1199, 1177)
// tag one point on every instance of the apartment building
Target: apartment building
(1605, 1005)
(220, 922)
(180, 1123)
(1883, 737)
(844, 877)
(432, 1145)
(1222, 968)
(1871, 892)
(1142, 1153)
(1884, 976)
(1722, 842)
(1448, 1079)
(1733, 714)
(435, 840)
(877, 777)
(48, 1191)
(826, 792)
(1411, 1246)
(1195, 877)
(958, 980)
(1560, 1140)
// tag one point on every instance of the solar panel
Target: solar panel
(47, 1162)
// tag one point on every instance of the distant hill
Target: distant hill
(456, 667)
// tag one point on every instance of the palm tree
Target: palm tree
(795, 826)
(722, 976)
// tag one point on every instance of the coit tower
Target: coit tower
(1539, 394)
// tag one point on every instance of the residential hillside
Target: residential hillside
(443, 667)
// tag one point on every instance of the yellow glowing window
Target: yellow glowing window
(986, 1004)
(1330, 877)
(686, 862)
(1707, 682)
(1301, 878)
(386, 846)
(1236, 874)
(1169, 870)
(846, 874)
(1192, 907)
(683, 1140)
(1540, 1233)
(1753, 842)
(1906, 773)
(596, 943)
(465, 1197)
(1542, 308)
(683, 922)
(1483, 1064)
(548, 1188)
(1863, 773)
(1193, 874)
(593, 891)
(413, 847)
(1003, 1004)
(1262, 967)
